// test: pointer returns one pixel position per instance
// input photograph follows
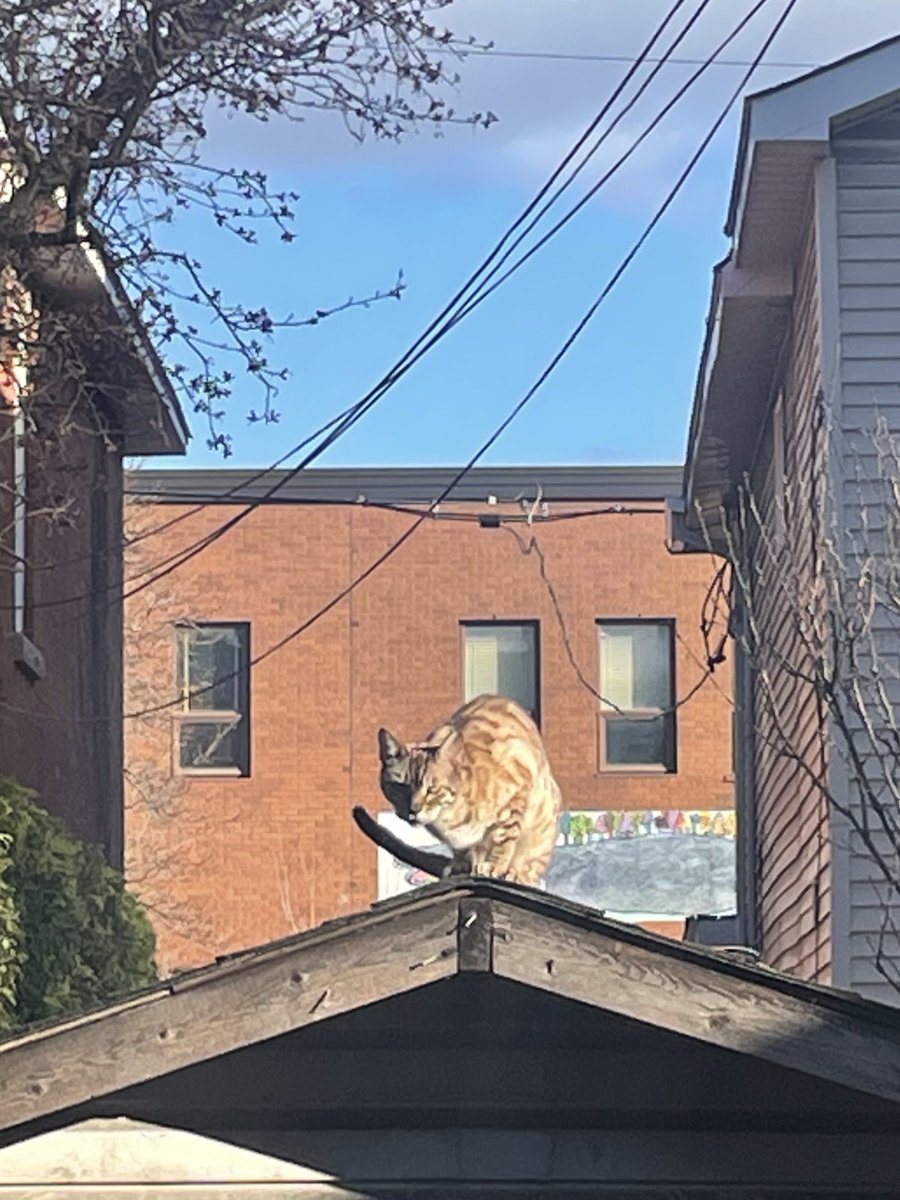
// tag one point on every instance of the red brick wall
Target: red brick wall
(226, 863)
(62, 735)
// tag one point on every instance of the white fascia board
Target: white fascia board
(147, 357)
(803, 109)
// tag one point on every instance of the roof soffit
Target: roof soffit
(800, 113)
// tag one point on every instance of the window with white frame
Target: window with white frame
(501, 659)
(212, 670)
(637, 726)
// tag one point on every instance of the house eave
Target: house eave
(135, 386)
(152, 419)
(745, 330)
(798, 115)
(785, 132)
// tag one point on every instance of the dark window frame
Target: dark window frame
(607, 715)
(240, 715)
(532, 623)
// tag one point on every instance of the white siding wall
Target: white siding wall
(126, 1160)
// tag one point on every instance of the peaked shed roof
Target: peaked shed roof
(445, 930)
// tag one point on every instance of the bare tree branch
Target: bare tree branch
(820, 630)
(105, 112)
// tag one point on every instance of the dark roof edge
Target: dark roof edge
(737, 179)
(823, 68)
(698, 408)
(407, 484)
(149, 357)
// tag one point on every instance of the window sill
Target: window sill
(211, 773)
(29, 661)
(635, 772)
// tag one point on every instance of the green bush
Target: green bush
(71, 936)
(10, 939)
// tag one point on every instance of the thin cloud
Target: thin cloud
(543, 104)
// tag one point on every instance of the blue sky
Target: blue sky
(433, 208)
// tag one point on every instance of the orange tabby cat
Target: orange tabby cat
(482, 784)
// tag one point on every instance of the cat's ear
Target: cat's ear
(389, 748)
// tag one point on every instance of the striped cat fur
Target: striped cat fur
(482, 784)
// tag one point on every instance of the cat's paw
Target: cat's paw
(526, 877)
(484, 870)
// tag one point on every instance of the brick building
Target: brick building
(65, 427)
(238, 823)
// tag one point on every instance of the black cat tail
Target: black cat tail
(437, 865)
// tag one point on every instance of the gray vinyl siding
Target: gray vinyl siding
(868, 293)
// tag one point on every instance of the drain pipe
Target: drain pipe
(20, 502)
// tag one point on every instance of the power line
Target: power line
(199, 505)
(441, 325)
(485, 288)
(503, 519)
(565, 56)
(532, 546)
(176, 520)
(481, 291)
(167, 566)
(432, 334)
(544, 375)
(699, 661)
(399, 542)
(485, 520)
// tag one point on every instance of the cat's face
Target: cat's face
(414, 779)
(431, 792)
(395, 780)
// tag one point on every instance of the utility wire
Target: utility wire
(399, 542)
(485, 520)
(164, 526)
(496, 520)
(481, 290)
(532, 546)
(444, 321)
(668, 58)
(644, 58)
(568, 56)
(484, 291)
(432, 334)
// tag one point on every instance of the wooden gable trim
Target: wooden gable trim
(686, 997)
(235, 1005)
(480, 927)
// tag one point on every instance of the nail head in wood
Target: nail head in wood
(475, 934)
